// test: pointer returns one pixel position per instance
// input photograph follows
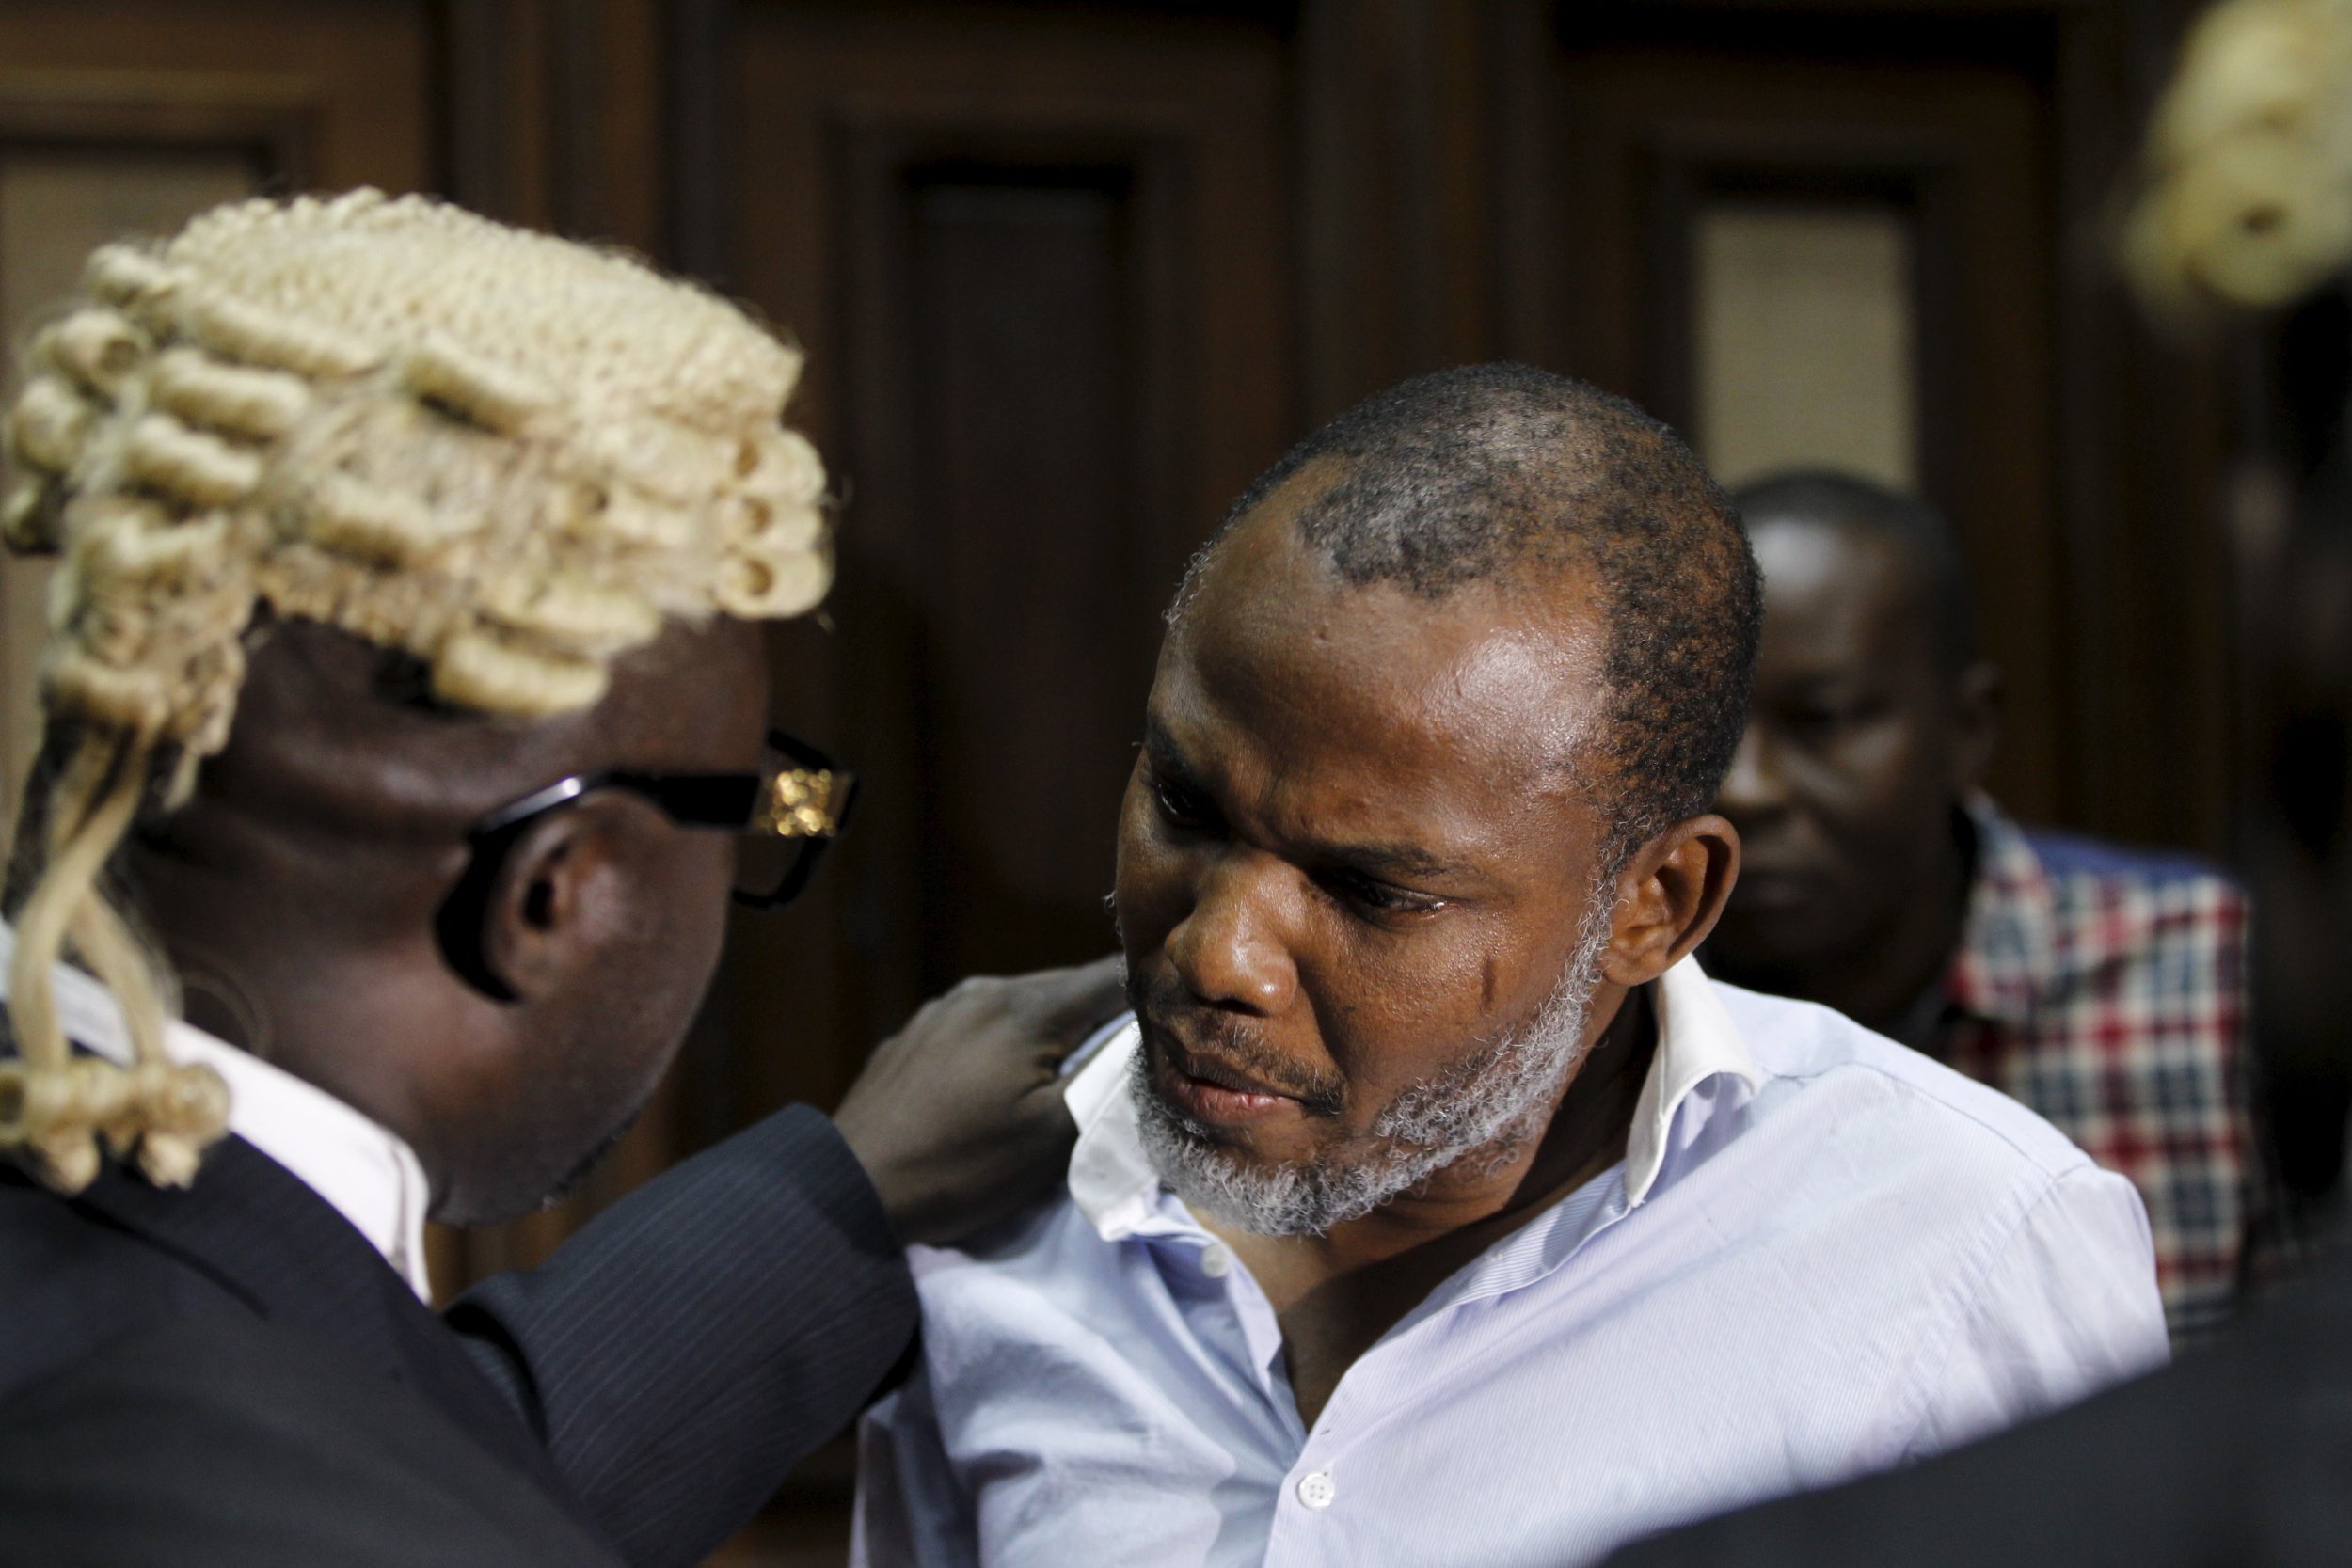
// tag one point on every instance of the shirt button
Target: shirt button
(1317, 1490)
(1216, 1262)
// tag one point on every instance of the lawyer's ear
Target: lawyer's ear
(559, 897)
(1669, 897)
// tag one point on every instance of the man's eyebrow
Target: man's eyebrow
(1389, 859)
(1809, 683)
(1164, 754)
(1373, 859)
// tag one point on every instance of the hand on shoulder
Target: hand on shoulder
(959, 1117)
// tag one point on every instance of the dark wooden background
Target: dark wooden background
(1070, 273)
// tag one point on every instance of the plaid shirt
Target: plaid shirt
(2107, 989)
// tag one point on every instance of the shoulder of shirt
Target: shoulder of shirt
(1809, 1057)
(2066, 856)
(2117, 902)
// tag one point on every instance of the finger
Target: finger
(1092, 995)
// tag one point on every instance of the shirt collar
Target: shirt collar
(1113, 1186)
(366, 1172)
(2007, 945)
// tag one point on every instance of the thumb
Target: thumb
(1088, 997)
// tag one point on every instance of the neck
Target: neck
(1335, 1295)
(1877, 982)
(295, 989)
(1878, 985)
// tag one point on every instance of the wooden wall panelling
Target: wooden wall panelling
(2105, 576)
(1014, 352)
(552, 114)
(1396, 261)
(365, 68)
(2139, 435)
(491, 107)
(1919, 176)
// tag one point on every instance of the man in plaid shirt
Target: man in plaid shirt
(2104, 988)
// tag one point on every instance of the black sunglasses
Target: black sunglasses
(786, 813)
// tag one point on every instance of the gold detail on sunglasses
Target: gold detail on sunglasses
(799, 804)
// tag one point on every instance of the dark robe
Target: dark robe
(650, 1387)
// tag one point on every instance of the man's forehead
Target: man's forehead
(1835, 562)
(1489, 687)
(1269, 590)
(1839, 591)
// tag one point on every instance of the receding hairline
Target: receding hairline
(1558, 600)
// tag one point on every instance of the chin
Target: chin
(512, 1189)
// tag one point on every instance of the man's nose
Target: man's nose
(1753, 787)
(1229, 950)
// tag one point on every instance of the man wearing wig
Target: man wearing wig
(404, 709)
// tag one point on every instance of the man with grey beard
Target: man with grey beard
(1433, 1208)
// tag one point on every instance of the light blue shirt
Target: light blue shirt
(1823, 1253)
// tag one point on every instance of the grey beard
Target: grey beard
(1488, 1105)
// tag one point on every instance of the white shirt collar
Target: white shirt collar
(367, 1173)
(1113, 1184)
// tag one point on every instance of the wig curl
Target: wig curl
(2244, 194)
(510, 456)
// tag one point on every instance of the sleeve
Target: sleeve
(912, 1512)
(2068, 1306)
(695, 1340)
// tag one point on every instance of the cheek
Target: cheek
(1394, 1011)
(660, 960)
(1876, 786)
(1148, 884)
(692, 928)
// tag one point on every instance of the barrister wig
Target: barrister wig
(2244, 191)
(510, 456)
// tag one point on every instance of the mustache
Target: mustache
(1232, 1042)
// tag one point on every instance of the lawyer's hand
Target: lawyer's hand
(958, 1116)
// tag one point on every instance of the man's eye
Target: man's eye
(1822, 720)
(1180, 807)
(1378, 897)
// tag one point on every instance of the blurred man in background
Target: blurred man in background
(2103, 987)
(2242, 1453)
